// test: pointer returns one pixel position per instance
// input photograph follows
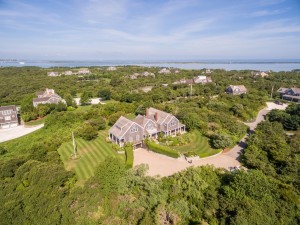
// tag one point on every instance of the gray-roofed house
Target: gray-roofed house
(68, 72)
(290, 94)
(282, 91)
(8, 116)
(125, 130)
(53, 74)
(164, 71)
(47, 97)
(112, 68)
(149, 126)
(236, 89)
(202, 79)
(84, 71)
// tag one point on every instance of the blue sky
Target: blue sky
(152, 29)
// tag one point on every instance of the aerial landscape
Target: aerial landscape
(150, 112)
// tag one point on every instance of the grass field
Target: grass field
(89, 155)
(35, 122)
(199, 144)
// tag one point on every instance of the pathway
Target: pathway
(166, 166)
(15, 132)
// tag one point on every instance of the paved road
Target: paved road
(166, 166)
(237, 150)
(15, 132)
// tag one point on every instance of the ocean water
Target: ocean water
(262, 65)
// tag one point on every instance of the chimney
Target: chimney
(156, 116)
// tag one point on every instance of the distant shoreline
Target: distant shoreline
(234, 64)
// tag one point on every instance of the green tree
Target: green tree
(111, 176)
(85, 98)
(221, 141)
(105, 94)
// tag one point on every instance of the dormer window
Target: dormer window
(133, 129)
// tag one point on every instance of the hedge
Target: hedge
(129, 156)
(162, 149)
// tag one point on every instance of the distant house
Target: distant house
(258, 73)
(47, 97)
(8, 116)
(143, 74)
(134, 76)
(264, 74)
(84, 71)
(208, 71)
(202, 79)
(147, 74)
(164, 71)
(111, 68)
(68, 72)
(149, 126)
(290, 94)
(176, 71)
(236, 89)
(53, 74)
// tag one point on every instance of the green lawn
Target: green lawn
(84, 107)
(35, 122)
(199, 144)
(89, 155)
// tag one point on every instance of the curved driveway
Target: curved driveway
(165, 166)
(15, 132)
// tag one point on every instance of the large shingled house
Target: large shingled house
(236, 89)
(8, 116)
(149, 126)
(290, 94)
(47, 97)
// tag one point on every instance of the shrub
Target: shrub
(162, 149)
(129, 155)
(221, 141)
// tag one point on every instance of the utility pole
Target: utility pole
(272, 91)
(74, 144)
(191, 89)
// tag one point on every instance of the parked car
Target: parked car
(278, 102)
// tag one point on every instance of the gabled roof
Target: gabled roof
(242, 88)
(162, 117)
(121, 126)
(282, 90)
(143, 120)
(8, 107)
(296, 90)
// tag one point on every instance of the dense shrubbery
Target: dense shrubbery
(162, 149)
(129, 155)
(290, 119)
(36, 189)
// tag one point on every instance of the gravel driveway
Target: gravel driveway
(166, 166)
(15, 132)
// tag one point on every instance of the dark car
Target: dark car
(278, 102)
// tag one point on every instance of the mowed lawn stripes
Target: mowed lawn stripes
(89, 155)
(199, 144)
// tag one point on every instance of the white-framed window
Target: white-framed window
(173, 123)
(137, 137)
(6, 112)
(133, 129)
(7, 118)
(149, 126)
